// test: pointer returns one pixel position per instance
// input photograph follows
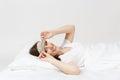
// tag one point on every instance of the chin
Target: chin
(57, 50)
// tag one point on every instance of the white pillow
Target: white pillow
(26, 61)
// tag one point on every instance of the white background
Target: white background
(22, 21)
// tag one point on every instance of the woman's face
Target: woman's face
(51, 48)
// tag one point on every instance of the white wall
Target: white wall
(22, 21)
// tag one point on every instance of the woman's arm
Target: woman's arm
(67, 68)
(67, 29)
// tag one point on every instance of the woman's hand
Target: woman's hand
(46, 57)
(47, 34)
(68, 68)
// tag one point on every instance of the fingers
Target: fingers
(42, 55)
(43, 34)
(46, 34)
(46, 57)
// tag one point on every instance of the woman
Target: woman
(50, 52)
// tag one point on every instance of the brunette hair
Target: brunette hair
(33, 51)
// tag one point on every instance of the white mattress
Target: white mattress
(103, 63)
(112, 74)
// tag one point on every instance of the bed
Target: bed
(102, 63)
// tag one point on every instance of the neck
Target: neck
(64, 50)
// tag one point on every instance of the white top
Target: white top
(75, 55)
(94, 57)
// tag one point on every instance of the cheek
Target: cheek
(57, 50)
(50, 52)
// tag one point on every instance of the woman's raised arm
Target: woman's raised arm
(69, 30)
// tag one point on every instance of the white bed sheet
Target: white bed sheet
(111, 74)
(103, 63)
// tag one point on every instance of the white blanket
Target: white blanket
(102, 62)
(43, 74)
(102, 56)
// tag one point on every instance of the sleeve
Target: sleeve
(75, 55)
(65, 43)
